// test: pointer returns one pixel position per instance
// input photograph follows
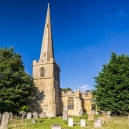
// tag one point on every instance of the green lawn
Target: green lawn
(114, 123)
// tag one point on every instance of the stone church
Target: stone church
(46, 76)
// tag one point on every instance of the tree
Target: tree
(112, 85)
(66, 89)
(15, 84)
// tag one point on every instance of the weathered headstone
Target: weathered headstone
(23, 113)
(56, 126)
(29, 115)
(42, 115)
(4, 122)
(10, 116)
(35, 115)
(65, 115)
(108, 112)
(82, 122)
(102, 120)
(70, 122)
(105, 117)
(90, 117)
(0, 115)
(97, 123)
(80, 112)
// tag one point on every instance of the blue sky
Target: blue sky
(84, 34)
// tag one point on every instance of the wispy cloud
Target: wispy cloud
(121, 13)
(83, 88)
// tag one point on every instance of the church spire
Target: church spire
(47, 51)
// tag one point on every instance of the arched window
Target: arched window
(42, 72)
(70, 103)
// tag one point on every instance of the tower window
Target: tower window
(42, 72)
(70, 103)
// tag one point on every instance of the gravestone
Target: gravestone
(82, 122)
(108, 112)
(42, 115)
(105, 117)
(35, 115)
(80, 112)
(4, 121)
(56, 126)
(102, 120)
(29, 115)
(90, 117)
(0, 115)
(65, 115)
(23, 113)
(70, 122)
(10, 116)
(97, 123)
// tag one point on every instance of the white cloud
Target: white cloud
(84, 88)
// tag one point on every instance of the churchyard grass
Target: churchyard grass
(115, 122)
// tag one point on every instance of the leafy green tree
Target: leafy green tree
(112, 85)
(15, 84)
(66, 89)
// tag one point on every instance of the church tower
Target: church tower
(46, 74)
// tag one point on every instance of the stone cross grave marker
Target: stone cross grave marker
(108, 112)
(90, 117)
(65, 115)
(29, 115)
(70, 122)
(97, 123)
(56, 126)
(82, 122)
(23, 113)
(4, 122)
(42, 115)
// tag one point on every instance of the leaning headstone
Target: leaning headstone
(97, 123)
(56, 126)
(82, 122)
(70, 122)
(90, 117)
(23, 113)
(42, 115)
(29, 115)
(10, 116)
(35, 115)
(65, 115)
(4, 122)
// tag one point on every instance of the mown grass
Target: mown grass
(114, 123)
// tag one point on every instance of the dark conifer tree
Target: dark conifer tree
(112, 85)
